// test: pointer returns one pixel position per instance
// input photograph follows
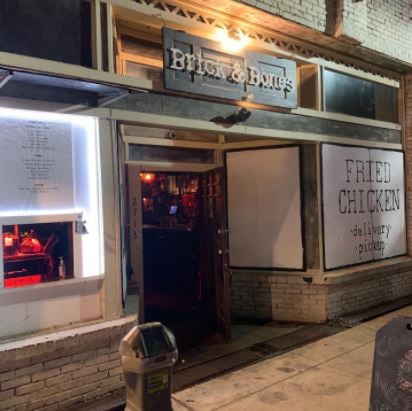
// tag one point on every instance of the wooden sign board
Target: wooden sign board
(391, 388)
(196, 65)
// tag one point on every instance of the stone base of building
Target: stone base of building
(314, 297)
(58, 370)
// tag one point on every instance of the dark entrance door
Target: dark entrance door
(180, 252)
(214, 198)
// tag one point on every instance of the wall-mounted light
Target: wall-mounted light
(230, 41)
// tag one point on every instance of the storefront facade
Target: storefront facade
(266, 173)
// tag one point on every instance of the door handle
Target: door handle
(220, 252)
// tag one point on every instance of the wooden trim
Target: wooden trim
(40, 218)
(135, 228)
(346, 118)
(358, 73)
(110, 214)
(138, 33)
(96, 36)
(170, 143)
(138, 58)
(54, 68)
(402, 110)
(201, 125)
(110, 38)
(172, 166)
(319, 90)
(252, 144)
(320, 207)
(123, 7)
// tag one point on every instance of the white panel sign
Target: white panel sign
(36, 165)
(264, 208)
(363, 205)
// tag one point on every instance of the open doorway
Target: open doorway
(181, 237)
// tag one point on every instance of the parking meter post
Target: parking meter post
(148, 353)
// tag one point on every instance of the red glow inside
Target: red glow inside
(22, 281)
(147, 177)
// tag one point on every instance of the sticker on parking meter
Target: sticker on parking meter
(391, 388)
(157, 381)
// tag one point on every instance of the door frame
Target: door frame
(134, 225)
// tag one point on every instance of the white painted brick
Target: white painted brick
(385, 28)
(43, 375)
(84, 371)
(97, 377)
(58, 380)
(32, 405)
(84, 356)
(57, 363)
(71, 367)
(15, 382)
(6, 375)
(6, 394)
(14, 401)
(29, 370)
(58, 398)
(29, 388)
(109, 365)
(97, 360)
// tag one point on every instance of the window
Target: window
(357, 97)
(35, 253)
(171, 154)
(141, 55)
(50, 205)
(48, 29)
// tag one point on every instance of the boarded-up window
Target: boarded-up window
(264, 210)
(363, 204)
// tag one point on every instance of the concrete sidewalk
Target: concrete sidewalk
(332, 373)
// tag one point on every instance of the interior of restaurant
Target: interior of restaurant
(178, 282)
(35, 253)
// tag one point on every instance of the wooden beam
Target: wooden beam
(96, 36)
(110, 38)
(346, 118)
(201, 125)
(122, 8)
(36, 65)
(172, 166)
(214, 114)
(170, 143)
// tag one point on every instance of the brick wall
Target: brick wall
(363, 288)
(310, 13)
(380, 25)
(283, 297)
(301, 297)
(62, 369)
(383, 26)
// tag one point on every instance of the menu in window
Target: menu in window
(36, 165)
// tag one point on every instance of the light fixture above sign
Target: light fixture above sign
(200, 66)
(231, 42)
